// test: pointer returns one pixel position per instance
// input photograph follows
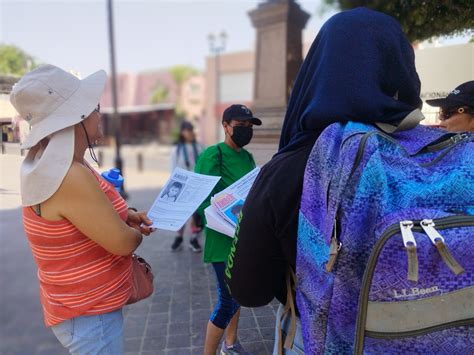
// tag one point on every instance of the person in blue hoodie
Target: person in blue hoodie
(360, 67)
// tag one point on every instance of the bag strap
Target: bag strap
(410, 121)
(182, 146)
(219, 157)
(289, 307)
(195, 151)
(37, 209)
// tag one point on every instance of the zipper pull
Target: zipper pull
(438, 241)
(459, 137)
(410, 244)
(334, 249)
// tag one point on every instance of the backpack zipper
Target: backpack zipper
(410, 245)
(438, 241)
(442, 223)
(334, 248)
(443, 154)
(451, 141)
(335, 244)
(360, 151)
(454, 138)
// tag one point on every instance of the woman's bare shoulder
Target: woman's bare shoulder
(78, 184)
(78, 178)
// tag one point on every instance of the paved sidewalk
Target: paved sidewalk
(172, 321)
(175, 318)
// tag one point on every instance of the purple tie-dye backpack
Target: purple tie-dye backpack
(385, 256)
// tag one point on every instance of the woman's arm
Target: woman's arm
(80, 200)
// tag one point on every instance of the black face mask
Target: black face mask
(242, 135)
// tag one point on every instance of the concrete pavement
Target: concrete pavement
(172, 321)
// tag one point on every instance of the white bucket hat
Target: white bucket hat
(52, 101)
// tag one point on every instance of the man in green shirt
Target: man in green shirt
(230, 161)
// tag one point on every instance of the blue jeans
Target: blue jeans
(96, 334)
(298, 346)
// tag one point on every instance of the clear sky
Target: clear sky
(149, 34)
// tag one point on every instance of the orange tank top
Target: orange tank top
(76, 275)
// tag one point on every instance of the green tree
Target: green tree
(15, 61)
(181, 73)
(421, 19)
(159, 95)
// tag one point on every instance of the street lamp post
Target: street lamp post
(216, 49)
(113, 73)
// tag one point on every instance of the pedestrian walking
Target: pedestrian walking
(184, 156)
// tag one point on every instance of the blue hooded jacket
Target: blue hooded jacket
(361, 67)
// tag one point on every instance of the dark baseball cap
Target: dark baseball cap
(186, 125)
(463, 95)
(240, 113)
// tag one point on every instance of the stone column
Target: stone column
(279, 54)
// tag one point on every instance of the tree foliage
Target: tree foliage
(161, 92)
(181, 73)
(422, 19)
(14, 61)
(159, 95)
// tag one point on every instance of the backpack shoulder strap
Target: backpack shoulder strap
(195, 151)
(410, 121)
(289, 308)
(182, 146)
(219, 157)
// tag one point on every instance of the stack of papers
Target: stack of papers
(222, 215)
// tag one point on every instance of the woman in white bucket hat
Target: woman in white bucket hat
(80, 230)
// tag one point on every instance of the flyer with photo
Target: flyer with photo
(182, 194)
(222, 215)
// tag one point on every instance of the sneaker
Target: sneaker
(194, 245)
(236, 348)
(177, 243)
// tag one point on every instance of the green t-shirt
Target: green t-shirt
(234, 166)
